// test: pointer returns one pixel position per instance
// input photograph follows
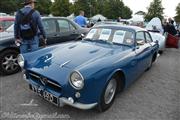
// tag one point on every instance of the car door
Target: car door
(143, 50)
(66, 30)
(50, 27)
(151, 47)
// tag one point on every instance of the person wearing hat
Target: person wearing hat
(28, 27)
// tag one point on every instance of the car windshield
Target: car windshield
(114, 36)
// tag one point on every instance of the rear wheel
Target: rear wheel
(108, 95)
(8, 62)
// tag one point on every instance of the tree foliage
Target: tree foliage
(109, 8)
(9, 6)
(177, 17)
(155, 10)
(60, 8)
(43, 6)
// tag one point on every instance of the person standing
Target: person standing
(27, 26)
(81, 20)
(171, 27)
(119, 19)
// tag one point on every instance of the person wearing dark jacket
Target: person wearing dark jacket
(32, 18)
(171, 28)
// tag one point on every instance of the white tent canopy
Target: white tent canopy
(137, 18)
(99, 16)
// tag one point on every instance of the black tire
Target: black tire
(103, 105)
(8, 62)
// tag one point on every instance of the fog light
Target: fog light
(70, 99)
(77, 95)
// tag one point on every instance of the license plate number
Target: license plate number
(46, 95)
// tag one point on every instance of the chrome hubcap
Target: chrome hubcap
(9, 62)
(110, 91)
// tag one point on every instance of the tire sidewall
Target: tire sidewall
(102, 105)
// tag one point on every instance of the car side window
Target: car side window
(140, 39)
(72, 27)
(49, 26)
(64, 25)
(148, 38)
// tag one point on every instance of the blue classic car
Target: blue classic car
(88, 73)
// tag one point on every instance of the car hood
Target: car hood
(75, 54)
(60, 61)
(82, 53)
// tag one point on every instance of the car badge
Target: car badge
(62, 65)
(48, 59)
(44, 80)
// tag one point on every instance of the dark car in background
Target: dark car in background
(58, 30)
(5, 22)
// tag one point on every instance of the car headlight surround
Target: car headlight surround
(20, 60)
(76, 80)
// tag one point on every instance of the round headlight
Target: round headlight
(20, 60)
(76, 80)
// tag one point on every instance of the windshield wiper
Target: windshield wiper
(88, 39)
(120, 44)
(105, 41)
(98, 40)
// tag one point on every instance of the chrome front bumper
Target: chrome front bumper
(65, 101)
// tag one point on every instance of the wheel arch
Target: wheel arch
(120, 77)
(154, 57)
(10, 48)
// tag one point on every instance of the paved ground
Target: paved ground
(154, 96)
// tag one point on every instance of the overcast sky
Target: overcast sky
(137, 5)
(169, 6)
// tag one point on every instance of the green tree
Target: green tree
(43, 6)
(82, 5)
(116, 8)
(9, 6)
(109, 8)
(155, 10)
(61, 8)
(177, 17)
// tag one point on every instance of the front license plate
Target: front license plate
(46, 95)
(50, 97)
(36, 90)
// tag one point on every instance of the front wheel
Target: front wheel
(8, 62)
(108, 95)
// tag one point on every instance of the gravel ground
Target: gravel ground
(154, 96)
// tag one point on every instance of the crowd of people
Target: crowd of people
(169, 27)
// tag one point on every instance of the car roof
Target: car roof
(54, 17)
(7, 18)
(119, 26)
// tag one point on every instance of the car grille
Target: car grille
(44, 81)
